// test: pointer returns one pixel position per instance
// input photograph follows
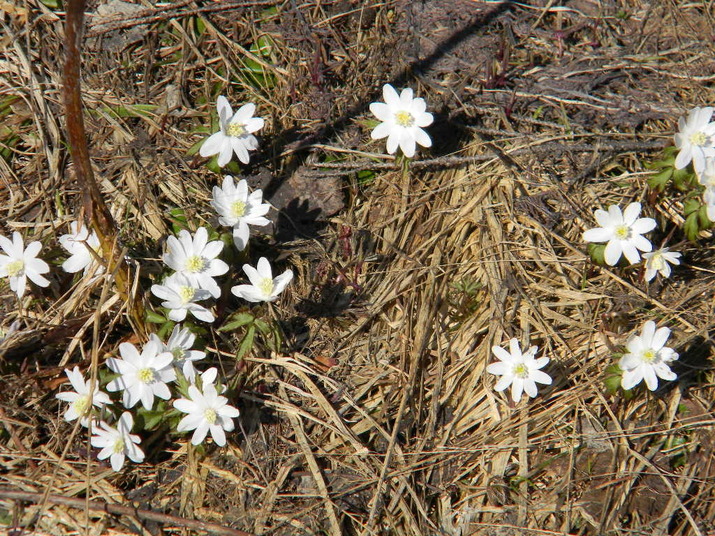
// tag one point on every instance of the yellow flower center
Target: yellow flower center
(649, 355)
(266, 286)
(186, 294)
(699, 138)
(195, 264)
(210, 416)
(404, 119)
(657, 261)
(15, 268)
(80, 405)
(238, 209)
(178, 352)
(622, 232)
(118, 446)
(236, 130)
(145, 375)
(521, 371)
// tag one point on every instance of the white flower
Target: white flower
(237, 209)
(81, 399)
(195, 258)
(21, 263)
(235, 134)
(209, 376)
(179, 344)
(520, 370)
(78, 244)
(647, 358)
(696, 139)
(706, 177)
(709, 200)
(116, 443)
(402, 120)
(207, 412)
(180, 297)
(143, 376)
(263, 287)
(623, 233)
(658, 262)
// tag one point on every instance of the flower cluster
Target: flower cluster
(623, 234)
(144, 376)
(647, 358)
(696, 144)
(166, 370)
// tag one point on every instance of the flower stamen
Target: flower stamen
(266, 286)
(238, 209)
(195, 264)
(649, 355)
(622, 232)
(118, 446)
(145, 375)
(521, 371)
(698, 138)
(210, 415)
(236, 130)
(15, 268)
(186, 293)
(404, 119)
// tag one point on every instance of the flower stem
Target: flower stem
(95, 209)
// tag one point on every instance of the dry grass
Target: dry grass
(379, 416)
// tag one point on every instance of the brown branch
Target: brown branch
(115, 509)
(149, 16)
(95, 209)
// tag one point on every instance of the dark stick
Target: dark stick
(138, 513)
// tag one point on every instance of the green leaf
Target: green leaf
(612, 379)
(155, 318)
(703, 219)
(659, 181)
(691, 227)
(199, 26)
(691, 205)
(195, 147)
(262, 326)
(178, 220)
(165, 328)
(684, 180)
(151, 421)
(238, 320)
(597, 253)
(263, 46)
(246, 343)
(52, 4)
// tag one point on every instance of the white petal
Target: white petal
(381, 131)
(598, 234)
(422, 138)
(390, 95)
(381, 111)
(613, 252)
(629, 251)
(407, 143)
(631, 213)
(280, 282)
(213, 144)
(643, 225)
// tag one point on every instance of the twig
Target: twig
(149, 16)
(115, 509)
(443, 162)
